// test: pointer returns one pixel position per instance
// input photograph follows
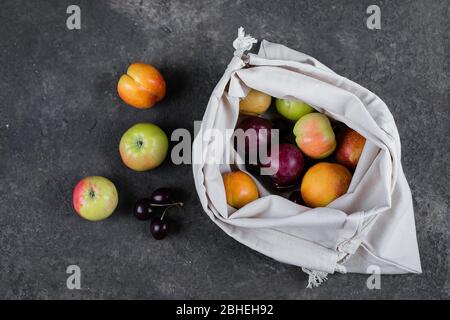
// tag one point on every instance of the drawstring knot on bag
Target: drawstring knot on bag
(242, 44)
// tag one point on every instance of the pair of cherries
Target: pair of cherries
(155, 209)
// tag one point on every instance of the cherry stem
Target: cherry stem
(178, 204)
(168, 206)
(164, 213)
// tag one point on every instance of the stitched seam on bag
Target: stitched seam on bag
(366, 247)
(291, 235)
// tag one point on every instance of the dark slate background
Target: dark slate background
(61, 120)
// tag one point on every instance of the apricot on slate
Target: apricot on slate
(240, 189)
(142, 86)
(323, 183)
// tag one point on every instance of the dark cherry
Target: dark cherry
(143, 209)
(162, 196)
(296, 197)
(158, 228)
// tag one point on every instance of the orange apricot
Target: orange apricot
(240, 189)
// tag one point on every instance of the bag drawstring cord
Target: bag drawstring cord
(242, 44)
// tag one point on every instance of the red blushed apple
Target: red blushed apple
(349, 149)
(95, 198)
(314, 135)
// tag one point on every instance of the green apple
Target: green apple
(143, 147)
(95, 198)
(293, 109)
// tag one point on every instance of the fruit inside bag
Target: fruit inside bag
(307, 143)
(371, 223)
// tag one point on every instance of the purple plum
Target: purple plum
(257, 134)
(288, 163)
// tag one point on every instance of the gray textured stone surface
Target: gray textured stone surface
(61, 119)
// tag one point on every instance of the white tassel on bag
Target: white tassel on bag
(243, 43)
(315, 278)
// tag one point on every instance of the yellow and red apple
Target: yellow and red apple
(142, 86)
(315, 136)
(95, 198)
(143, 147)
(350, 147)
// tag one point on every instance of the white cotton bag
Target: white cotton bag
(371, 225)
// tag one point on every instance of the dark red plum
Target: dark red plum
(258, 132)
(288, 163)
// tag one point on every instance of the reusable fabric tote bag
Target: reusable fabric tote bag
(371, 227)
